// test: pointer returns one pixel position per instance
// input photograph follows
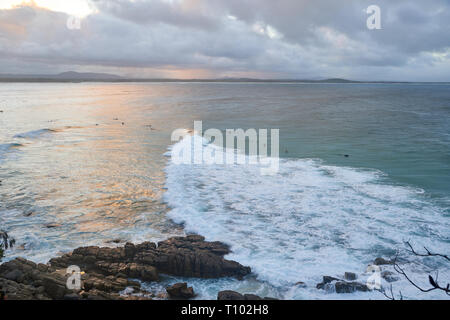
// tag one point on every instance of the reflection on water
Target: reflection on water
(86, 168)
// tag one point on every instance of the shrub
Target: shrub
(5, 242)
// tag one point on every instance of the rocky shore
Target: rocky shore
(111, 273)
(107, 273)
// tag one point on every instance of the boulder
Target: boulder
(191, 256)
(349, 287)
(14, 275)
(301, 284)
(180, 291)
(230, 295)
(55, 286)
(325, 281)
(381, 261)
(341, 286)
(350, 276)
(233, 295)
(389, 276)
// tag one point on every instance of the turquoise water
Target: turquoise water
(84, 163)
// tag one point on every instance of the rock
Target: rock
(341, 286)
(105, 271)
(12, 290)
(381, 261)
(389, 276)
(106, 284)
(349, 287)
(180, 291)
(162, 295)
(115, 241)
(325, 280)
(45, 284)
(233, 295)
(72, 296)
(189, 256)
(14, 275)
(301, 284)
(229, 295)
(249, 296)
(55, 287)
(350, 276)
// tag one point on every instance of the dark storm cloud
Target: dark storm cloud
(284, 38)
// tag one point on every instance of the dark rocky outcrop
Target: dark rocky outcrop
(301, 284)
(325, 281)
(233, 295)
(230, 295)
(381, 261)
(189, 256)
(107, 271)
(349, 287)
(350, 276)
(180, 291)
(389, 276)
(341, 286)
(21, 279)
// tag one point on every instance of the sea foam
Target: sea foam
(307, 221)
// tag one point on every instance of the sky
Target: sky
(283, 39)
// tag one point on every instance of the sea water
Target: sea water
(363, 168)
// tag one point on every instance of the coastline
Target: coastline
(115, 273)
(106, 273)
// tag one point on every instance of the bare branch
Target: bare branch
(427, 254)
(434, 283)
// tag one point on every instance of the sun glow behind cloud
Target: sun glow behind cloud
(79, 8)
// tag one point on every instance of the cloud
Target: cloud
(283, 39)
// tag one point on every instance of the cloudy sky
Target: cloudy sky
(228, 38)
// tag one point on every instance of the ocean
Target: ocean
(363, 168)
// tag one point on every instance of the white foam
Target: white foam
(307, 221)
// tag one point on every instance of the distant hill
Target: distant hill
(72, 76)
(64, 76)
